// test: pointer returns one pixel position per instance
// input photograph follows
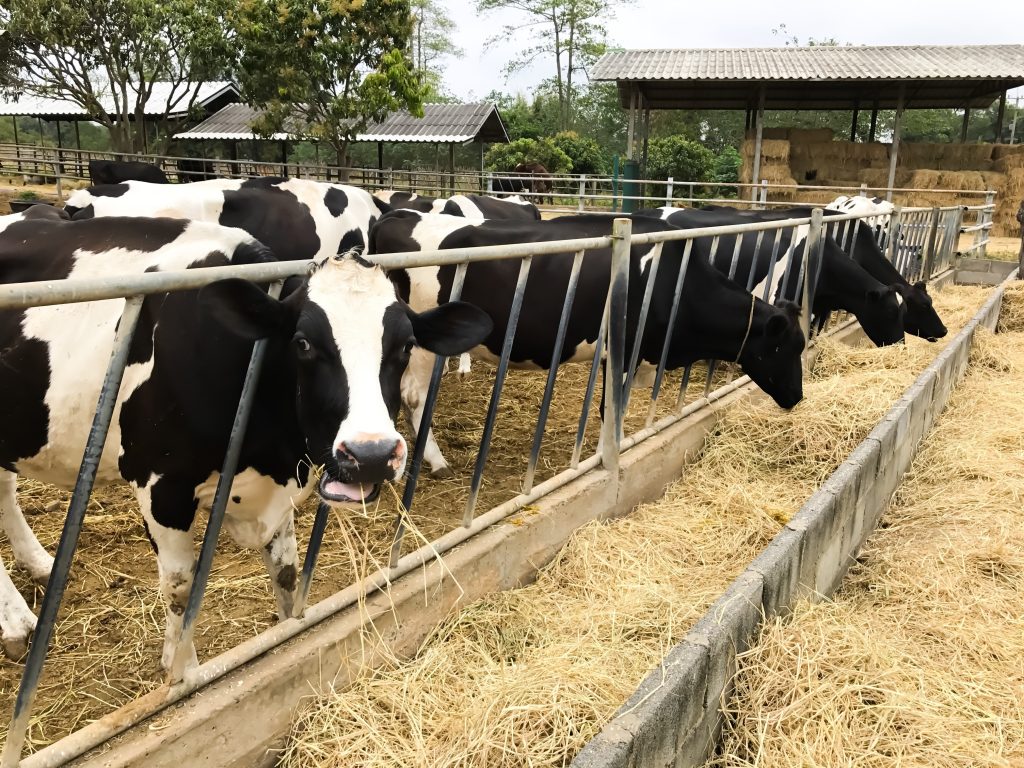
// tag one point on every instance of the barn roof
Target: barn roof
(441, 123)
(815, 77)
(211, 96)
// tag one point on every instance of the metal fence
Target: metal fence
(920, 242)
(578, 192)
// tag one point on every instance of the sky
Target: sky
(731, 24)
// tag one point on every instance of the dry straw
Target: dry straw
(918, 659)
(527, 677)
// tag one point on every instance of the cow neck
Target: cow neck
(867, 253)
(844, 284)
(723, 320)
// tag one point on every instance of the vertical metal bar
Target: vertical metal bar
(893, 236)
(758, 135)
(201, 573)
(583, 192)
(668, 191)
(422, 431)
(40, 643)
(588, 395)
(499, 383)
(316, 537)
(556, 357)
(634, 357)
(735, 255)
(683, 386)
(930, 248)
(812, 245)
(773, 261)
(618, 296)
(990, 199)
(673, 313)
(753, 262)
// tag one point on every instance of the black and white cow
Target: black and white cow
(337, 345)
(859, 241)
(841, 282)
(717, 318)
(411, 201)
(512, 207)
(296, 218)
(116, 171)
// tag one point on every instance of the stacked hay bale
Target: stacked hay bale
(774, 166)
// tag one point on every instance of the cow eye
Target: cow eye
(409, 345)
(303, 346)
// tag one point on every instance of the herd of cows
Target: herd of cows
(349, 344)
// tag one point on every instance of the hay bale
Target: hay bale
(770, 133)
(772, 150)
(810, 135)
(1009, 162)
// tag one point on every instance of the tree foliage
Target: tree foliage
(680, 158)
(505, 157)
(582, 151)
(431, 42)
(568, 32)
(335, 65)
(107, 56)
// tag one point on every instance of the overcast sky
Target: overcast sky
(731, 24)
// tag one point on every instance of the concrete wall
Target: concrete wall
(674, 717)
(983, 271)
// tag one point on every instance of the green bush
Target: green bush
(505, 157)
(584, 152)
(680, 158)
(727, 166)
(27, 194)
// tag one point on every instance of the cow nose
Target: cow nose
(367, 452)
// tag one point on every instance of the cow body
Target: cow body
(117, 171)
(337, 344)
(511, 208)
(192, 169)
(717, 319)
(408, 201)
(838, 282)
(297, 218)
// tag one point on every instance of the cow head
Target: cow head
(882, 315)
(771, 356)
(920, 319)
(348, 338)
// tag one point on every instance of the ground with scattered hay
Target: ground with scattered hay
(917, 659)
(527, 677)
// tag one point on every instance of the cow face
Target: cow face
(920, 319)
(772, 355)
(348, 338)
(883, 315)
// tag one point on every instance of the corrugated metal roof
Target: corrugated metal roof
(234, 123)
(441, 123)
(161, 95)
(887, 62)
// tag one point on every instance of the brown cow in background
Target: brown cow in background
(540, 182)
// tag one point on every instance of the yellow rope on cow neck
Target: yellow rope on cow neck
(750, 322)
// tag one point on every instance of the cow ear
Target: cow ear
(921, 285)
(451, 328)
(245, 309)
(877, 294)
(776, 326)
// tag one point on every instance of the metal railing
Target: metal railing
(907, 232)
(578, 192)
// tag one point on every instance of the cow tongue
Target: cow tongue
(350, 491)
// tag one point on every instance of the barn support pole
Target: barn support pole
(853, 123)
(39, 123)
(17, 146)
(631, 133)
(78, 146)
(758, 135)
(451, 167)
(1000, 117)
(284, 158)
(874, 123)
(647, 135)
(895, 149)
(963, 126)
(746, 120)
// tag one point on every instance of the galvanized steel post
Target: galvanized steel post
(615, 361)
(583, 192)
(893, 235)
(812, 244)
(668, 191)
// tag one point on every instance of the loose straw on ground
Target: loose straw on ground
(920, 658)
(525, 678)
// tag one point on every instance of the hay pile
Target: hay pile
(527, 677)
(918, 660)
(774, 166)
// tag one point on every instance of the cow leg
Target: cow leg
(281, 556)
(465, 365)
(175, 556)
(28, 552)
(415, 383)
(17, 622)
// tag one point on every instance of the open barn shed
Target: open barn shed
(441, 124)
(850, 78)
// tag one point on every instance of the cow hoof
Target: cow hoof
(16, 627)
(39, 570)
(442, 473)
(167, 660)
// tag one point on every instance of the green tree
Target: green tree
(726, 169)
(108, 55)
(583, 152)
(431, 42)
(680, 158)
(570, 32)
(505, 157)
(333, 65)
